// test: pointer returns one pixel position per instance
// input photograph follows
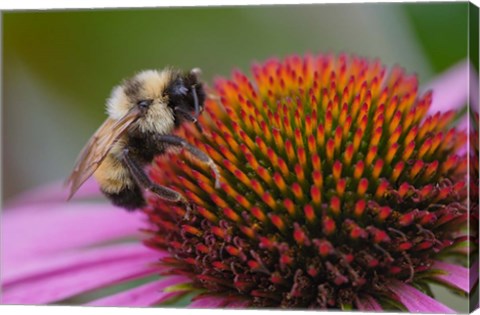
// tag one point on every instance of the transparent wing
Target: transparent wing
(98, 147)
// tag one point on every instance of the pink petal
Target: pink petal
(79, 278)
(209, 302)
(463, 123)
(450, 90)
(238, 304)
(416, 301)
(457, 275)
(74, 259)
(55, 192)
(145, 295)
(31, 231)
(473, 274)
(368, 303)
(474, 88)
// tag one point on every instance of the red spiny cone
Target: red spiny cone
(335, 184)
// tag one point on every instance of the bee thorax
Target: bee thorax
(159, 119)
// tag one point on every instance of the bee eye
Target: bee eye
(144, 103)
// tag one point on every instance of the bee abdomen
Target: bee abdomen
(112, 175)
(129, 198)
(118, 185)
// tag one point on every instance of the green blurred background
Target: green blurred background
(60, 66)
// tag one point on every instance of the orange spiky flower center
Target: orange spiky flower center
(335, 181)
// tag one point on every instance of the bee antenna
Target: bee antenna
(195, 101)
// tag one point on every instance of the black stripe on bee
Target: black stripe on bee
(130, 198)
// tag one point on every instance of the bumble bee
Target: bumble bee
(143, 112)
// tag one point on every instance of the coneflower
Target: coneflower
(342, 187)
(338, 189)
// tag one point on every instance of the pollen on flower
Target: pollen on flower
(335, 183)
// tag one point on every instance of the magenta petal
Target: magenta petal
(456, 276)
(238, 304)
(473, 274)
(55, 192)
(75, 259)
(30, 232)
(79, 278)
(463, 123)
(368, 303)
(209, 302)
(416, 301)
(145, 295)
(450, 89)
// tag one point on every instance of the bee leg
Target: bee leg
(144, 182)
(189, 117)
(196, 152)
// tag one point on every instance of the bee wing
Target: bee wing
(98, 147)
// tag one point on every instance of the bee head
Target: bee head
(160, 96)
(145, 91)
(185, 93)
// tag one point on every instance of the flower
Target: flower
(341, 188)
